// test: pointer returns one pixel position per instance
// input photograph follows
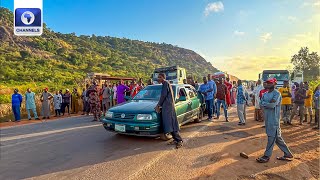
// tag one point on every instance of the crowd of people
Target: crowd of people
(95, 100)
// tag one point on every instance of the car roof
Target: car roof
(177, 85)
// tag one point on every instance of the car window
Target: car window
(182, 92)
(191, 92)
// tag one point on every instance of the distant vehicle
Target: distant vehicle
(218, 75)
(280, 75)
(297, 76)
(138, 117)
(174, 74)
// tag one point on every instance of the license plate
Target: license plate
(120, 128)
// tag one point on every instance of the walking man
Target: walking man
(300, 96)
(207, 90)
(45, 98)
(31, 104)
(228, 95)
(271, 103)
(286, 102)
(165, 106)
(241, 102)
(16, 101)
(66, 102)
(222, 91)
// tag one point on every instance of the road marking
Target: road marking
(45, 133)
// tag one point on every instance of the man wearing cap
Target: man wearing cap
(271, 103)
(286, 101)
(45, 98)
(16, 101)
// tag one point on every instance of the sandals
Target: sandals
(263, 159)
(285, 158)
(179, 144)
(172, 143)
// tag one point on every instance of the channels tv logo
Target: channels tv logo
(28, 21)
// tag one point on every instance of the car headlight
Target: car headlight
(144, 117)
(109, 114)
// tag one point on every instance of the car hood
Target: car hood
(135, 106)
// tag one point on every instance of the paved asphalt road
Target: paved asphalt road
(62, 145)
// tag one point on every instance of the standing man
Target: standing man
(57, 101)
(111, 95)
(222, 91)
(121, 89)
(300, 96)
(271, 103)
(214, 90)
(84, 99)
(114, 94)
(165, 106)
(241, 102)
(94, 100)
(66, 102)
(75, 101)
(16, 101)
(308, 104)
(45, 98)
(228, 95)
(257, 109)
(31, 104)
(286, 101)
(317, 106)
(106, 93)
(207, 90)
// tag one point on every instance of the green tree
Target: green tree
(306, 62)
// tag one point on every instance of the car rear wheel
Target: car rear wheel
(165, 137)
(199, 116)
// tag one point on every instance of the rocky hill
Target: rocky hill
(65, 58)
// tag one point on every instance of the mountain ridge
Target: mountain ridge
(61, 58)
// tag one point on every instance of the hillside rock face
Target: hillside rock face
(65, 58)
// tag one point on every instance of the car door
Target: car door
(182, 106)
(194, 102)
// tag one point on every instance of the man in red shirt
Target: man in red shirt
(134, 88)
(222, 91)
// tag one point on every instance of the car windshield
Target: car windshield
(150, 93)
(279, 76)
(170, 75)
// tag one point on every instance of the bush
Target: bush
(5, 98)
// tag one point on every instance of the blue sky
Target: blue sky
(226, 32)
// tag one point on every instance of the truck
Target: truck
(297, 76)
(174, 74)
(280, 75)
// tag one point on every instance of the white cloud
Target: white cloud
(238, 33)
(292, 18)
(317, 3)
(249, 67)
(213, 7)
(266, 37)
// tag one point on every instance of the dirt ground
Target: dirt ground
(214, 153)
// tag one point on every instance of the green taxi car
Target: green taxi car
(138, 117)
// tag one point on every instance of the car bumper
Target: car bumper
(133, 128)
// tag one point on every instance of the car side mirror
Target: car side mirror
(182, 98)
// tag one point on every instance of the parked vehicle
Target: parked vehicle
(174, 74)
(297, 76)
(280, 75)
(138, 116)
